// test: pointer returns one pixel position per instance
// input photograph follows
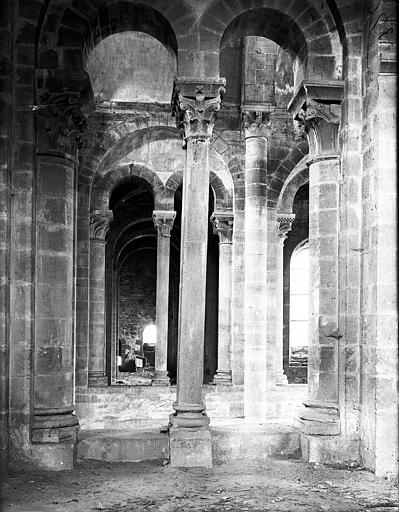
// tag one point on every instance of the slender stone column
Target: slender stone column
(321, 122)
(195, 104)
(256, 130)
(223, 227)
(284, 221)
(99, 225)
(163, 221)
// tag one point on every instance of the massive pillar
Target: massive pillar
(284, 221)
(223, 227)
(195, 102)
(321, 116)
(256, 129)
(54, 426)
(163, 221)
(99, 225)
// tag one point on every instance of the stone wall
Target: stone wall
(135, 407)
(379, 372)
(137, 286)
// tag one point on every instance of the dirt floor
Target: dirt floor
(247, 486)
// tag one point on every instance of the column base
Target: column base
(189, 416)
(97, 379)
(190, 447)
(329, 450)
(54, 426)
(222, 377)
(320, 418)
(160, 379)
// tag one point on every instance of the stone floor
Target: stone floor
(237, 486)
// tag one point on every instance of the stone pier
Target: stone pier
(54, 425)
(195, 104)
(318, 108)
(223, 227)
(163, 221)
(99, 225)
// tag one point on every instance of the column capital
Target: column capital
(223, 226)
(100, 221)
(317, 107)
(62, 120)
(194, 103)
(284, 224)
(256, 121)
(163, 221)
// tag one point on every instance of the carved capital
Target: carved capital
(195, 103)
(317, 109)
(163, 221)
(284, 224)
(100, 221)
(256, 123)
(62, 121)
(223, 226)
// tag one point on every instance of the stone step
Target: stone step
(238, 441)
(123, 446)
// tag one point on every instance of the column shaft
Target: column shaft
(54, 421)
(163, 222)
(223, 226)
(99, 222)
(284, 225)
(193, 283)
(255, 270)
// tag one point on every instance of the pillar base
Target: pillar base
(98, 379)
(222, 378)
(190, 447)
(160, 379)
(320, 418)
(329, 449)
(54, 426)
(189, 416)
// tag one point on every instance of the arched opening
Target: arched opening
(123, 65)
(296, 243)
(131, 281)
(299, 305)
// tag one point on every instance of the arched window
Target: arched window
(299, 304)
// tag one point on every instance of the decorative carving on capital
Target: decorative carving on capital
(317, 109)
(100, 221)
(284, 225)
(223, 226)
(163, 222)
(256, 123)
(61, 122)
(195, 103)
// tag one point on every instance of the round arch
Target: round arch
(298, 177)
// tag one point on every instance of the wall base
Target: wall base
(329, 449)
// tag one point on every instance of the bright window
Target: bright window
(299, 304)
(150, 335)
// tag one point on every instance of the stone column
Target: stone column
(195, 104)
(256, 130)
(284, 221)
(99, 225)
(163, 221)
(54, 426)
(318, 109)
(223, 227)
